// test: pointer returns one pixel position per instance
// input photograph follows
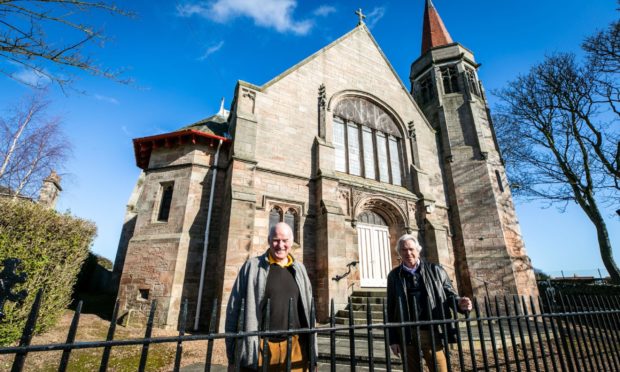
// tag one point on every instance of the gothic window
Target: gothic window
(275, 216)
(425, 89)
(165, 201)
(450, 79)
(290, 217)
(366, 142)
(472, 81)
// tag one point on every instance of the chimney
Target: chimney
(48, 195)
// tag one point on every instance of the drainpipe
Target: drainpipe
(206, 241)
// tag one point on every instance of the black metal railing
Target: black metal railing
(570, 333)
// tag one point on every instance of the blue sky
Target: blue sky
(184, 56)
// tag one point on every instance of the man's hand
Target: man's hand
(465, 304)
(395, 349)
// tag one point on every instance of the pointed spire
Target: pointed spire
(434, 33)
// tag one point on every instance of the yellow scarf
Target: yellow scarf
(273, 261)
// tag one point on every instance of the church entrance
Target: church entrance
(374, 250)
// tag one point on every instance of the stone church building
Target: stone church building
(339, 148)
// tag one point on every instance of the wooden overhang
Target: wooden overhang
(145, 145)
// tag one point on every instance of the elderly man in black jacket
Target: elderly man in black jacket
(420, 286)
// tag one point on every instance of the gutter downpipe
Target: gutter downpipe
(206, 241)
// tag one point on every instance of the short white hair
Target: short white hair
(401, 243)
(272, 230)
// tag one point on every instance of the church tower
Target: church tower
(489, 253)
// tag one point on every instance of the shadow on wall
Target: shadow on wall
(96, 287)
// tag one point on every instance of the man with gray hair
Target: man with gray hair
(419, 287)
(275, 276)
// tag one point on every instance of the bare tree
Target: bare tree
(32, 144)
(27, 41)
(560, 141)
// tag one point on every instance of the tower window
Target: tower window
(165, 202)
(499, 181)
(425, 90)
(450, 79)
(472, 82)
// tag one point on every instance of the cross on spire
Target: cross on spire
(361, 16)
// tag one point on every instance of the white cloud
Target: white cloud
(31, 77)
(126, 131)
(111, 100)
(374, 16)
(324, 10)
(277, 14)
(210, 50)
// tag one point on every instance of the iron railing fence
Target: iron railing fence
(576, 333)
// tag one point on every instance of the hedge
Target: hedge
(51, 247)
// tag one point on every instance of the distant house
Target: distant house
(48, 194)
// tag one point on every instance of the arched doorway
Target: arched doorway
(374, 249)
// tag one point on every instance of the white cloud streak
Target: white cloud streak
(276, 14)
(324, 10)
(210, 50)
(374, 16)
(107, 99)
(32, 78)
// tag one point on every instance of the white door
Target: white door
(374, 255)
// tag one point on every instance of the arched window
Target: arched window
(472, 81)
(165, 201)
(425, 92)
(275, 216)
(290, 217)
(367, 141)
(450, 79)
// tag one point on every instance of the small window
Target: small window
(450, 79)
(165, 202)
(472, 82)
(143, 294)
(425, 90)
(291, 218)
(499, 181)
(275, 216)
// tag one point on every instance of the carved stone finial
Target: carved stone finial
(361, 16)
(412, 134)
(8, 280)
(322, 96)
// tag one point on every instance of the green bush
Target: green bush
(51, 247)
